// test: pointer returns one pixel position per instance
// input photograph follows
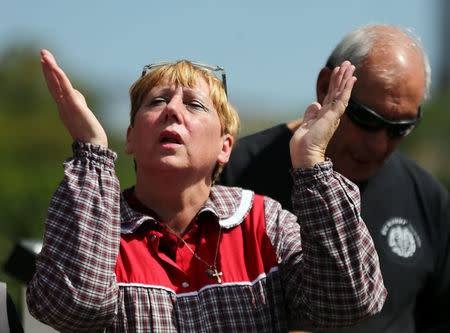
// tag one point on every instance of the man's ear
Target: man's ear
(224, 154)
(129, 143)
(322, 84)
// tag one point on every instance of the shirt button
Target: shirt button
(185, 284)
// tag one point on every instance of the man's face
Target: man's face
(357, 153)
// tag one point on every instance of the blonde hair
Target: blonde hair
(184, 73)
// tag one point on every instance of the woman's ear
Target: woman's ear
(322, 84)
(225, 152)
(129, 144)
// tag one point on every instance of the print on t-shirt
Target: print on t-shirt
(401, 238)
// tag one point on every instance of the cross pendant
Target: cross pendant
(212, 272)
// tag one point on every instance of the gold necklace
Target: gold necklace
(211, 271)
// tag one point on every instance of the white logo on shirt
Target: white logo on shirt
(401, 237)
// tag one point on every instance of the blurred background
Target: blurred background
(272, 52)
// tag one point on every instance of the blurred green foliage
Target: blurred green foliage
(429, 143)
(34, 143)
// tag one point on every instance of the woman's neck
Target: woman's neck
(175, 198)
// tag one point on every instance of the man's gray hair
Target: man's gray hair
(356, 44)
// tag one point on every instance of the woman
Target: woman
(175, 252)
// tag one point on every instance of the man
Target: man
(405, 209)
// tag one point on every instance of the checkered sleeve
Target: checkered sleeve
(328, 261)
(74, 288)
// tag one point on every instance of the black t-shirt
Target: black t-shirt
(406, 211)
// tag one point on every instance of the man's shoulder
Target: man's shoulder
(261, 162)
(404, 163)
(260, 140)
(403, 169)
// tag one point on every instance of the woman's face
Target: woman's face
(178, 129)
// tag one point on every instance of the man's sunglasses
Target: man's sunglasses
(369, 120)
(204, 66)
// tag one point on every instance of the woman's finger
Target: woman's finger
(340, 76)
(349, 70)
(347, 84)
(331, 87)
(51, 80)
(64, 82)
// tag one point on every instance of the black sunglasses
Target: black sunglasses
(371, 121)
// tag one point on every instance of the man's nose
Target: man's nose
(377, 142)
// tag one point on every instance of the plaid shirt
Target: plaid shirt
(100, 267)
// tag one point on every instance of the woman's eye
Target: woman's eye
(157, 101)
(196, 106)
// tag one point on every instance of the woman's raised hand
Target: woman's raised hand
(72, 108)
(310, 140)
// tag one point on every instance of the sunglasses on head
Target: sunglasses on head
(202, 65)
(369, 120)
